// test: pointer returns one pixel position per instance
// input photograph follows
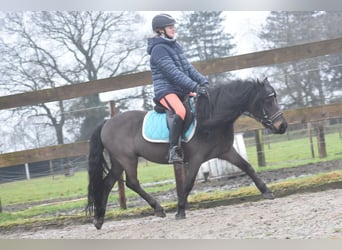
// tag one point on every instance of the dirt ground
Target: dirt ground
(229, 183)
(299, 216)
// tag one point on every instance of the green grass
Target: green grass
(152, 172)
(46, 188)
(288, 153)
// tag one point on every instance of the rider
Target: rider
(173, 78)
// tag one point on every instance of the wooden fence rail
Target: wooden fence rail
(262, 58)
(295, 116)
(301, 115)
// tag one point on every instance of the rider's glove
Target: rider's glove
(201, 89)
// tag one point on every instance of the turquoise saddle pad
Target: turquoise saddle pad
(155, 128)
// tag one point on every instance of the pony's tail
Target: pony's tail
(97, 168)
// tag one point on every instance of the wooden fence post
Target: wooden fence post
(311, 142)
(27, 171)
(259, 140)
(339, 128)
(52, 172)
(321, 140)
(121, 185)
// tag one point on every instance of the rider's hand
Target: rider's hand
(201, 89)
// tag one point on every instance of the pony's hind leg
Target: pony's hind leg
(233, 157)
(109, 181)
(133, 183)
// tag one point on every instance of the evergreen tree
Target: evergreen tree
(202, 36)
(50, 49)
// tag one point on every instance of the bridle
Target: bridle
(265, 119)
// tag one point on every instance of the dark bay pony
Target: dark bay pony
(121, 137)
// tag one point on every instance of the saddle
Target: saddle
(155, 126)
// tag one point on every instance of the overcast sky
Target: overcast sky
(244, 25)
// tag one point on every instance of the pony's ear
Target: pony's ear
(265, 80)
(260, 83)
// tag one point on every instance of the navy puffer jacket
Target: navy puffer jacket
(171, 71)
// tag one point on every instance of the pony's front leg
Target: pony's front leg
(233, 157)
(180, 179)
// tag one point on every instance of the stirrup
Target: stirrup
(175, 154)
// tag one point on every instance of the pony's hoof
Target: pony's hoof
(98, 222)
(268, 195)
(160, 213)
(180, 216)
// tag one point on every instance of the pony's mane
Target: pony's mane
(235, 93)
(227, 101)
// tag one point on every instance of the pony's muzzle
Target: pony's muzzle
(279, 126)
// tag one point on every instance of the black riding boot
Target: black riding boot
(176, 129)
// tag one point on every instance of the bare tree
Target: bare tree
(50, 49)
(311, 81)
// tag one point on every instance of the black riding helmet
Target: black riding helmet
(161, 21)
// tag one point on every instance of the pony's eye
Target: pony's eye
(269, 100)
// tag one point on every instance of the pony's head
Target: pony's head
(263, 107)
